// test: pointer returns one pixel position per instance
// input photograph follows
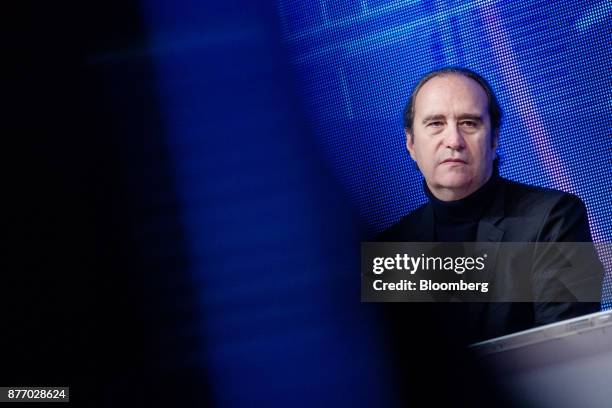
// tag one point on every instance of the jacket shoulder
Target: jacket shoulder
(523, 198)
(557, 215)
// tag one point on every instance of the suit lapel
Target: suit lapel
(488, 238)
(489, 233)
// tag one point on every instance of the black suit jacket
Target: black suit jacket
(518, 213)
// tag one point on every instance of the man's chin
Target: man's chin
(455, 182)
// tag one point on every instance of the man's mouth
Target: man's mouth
(454, 161)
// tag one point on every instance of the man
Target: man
(452, 124)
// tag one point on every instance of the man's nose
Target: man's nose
(454, 139)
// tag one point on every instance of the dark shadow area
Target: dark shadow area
(95, 295)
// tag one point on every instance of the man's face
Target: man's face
(452, 142)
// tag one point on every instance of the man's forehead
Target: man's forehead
(450, 92)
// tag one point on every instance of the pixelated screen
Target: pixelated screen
(355, 63)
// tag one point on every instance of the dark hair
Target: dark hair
(495, 111)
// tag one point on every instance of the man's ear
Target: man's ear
(495, 139)
(410, 143)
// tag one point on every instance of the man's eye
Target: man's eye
(435, 124)
(469, 123)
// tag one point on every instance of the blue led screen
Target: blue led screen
(549, 63)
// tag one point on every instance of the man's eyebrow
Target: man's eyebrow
(471, 116)
(433, 117)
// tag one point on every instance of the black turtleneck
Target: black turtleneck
(457, 221)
